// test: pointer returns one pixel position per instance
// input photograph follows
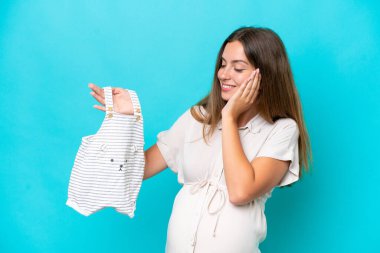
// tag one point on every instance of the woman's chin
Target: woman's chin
(225, 98)
(227, 95)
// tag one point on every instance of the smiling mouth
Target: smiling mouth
(226, 87)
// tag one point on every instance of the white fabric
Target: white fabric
(203, 219)
(109, 166)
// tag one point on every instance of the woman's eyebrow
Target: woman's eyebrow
(236, 61)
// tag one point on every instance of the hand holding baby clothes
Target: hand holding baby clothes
(109, 166)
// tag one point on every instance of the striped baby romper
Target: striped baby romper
(109, 165)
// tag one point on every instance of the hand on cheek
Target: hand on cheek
(244, 97)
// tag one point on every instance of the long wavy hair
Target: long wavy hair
(278, 97)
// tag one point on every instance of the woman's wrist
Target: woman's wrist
(228, 118)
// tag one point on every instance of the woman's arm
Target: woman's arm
(247, 180)
(154, 162)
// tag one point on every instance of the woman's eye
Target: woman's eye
(239, 70)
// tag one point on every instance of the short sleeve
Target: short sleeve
(282, 144)
(170, 142)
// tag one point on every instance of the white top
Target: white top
(109, 166)
(203, 219)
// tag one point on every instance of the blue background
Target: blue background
(166, 51)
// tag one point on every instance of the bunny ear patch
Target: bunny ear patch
(133, 148)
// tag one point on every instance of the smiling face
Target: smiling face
(234, 70)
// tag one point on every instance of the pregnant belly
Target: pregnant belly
(238, 229)
(182, 217)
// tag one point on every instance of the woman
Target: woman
(232, 148)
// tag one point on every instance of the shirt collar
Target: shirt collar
(253, 125)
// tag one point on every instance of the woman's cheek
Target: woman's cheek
(239, 81)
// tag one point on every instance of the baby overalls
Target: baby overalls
(109, 165)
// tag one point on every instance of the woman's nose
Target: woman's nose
(224, 74)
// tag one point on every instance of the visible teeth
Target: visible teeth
(227, 86)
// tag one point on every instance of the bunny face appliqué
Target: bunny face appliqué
(109, 153)
(116, 160)
(118, 163)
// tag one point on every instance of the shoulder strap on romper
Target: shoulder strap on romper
(109, 103)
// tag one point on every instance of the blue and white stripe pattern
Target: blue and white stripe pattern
(109, 166)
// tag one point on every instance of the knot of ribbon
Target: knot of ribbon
(218, 191)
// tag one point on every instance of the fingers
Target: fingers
(98, 98)
(117, 91)
(241, 90)
(255, 86)
(249, 83)
(99, 91)
(120, 91)
(257, 89)
(250, 78)
(102, 108)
